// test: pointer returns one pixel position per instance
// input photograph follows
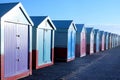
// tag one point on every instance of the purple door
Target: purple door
(15, 48)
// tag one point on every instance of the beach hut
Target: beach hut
(109, 41)
(16, 42)
(89, 40)
(102, 40)
(117, 40)
(106, 40)
(96, 40)
(113, 45)
(43, 42)
(112, 40)
(65, 38)
(80, 40)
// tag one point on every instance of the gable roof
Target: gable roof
(39, 19)
(96, 31)
(62, 23)
(101, 32)
(89, 29)
(106, 33)
(5, 7)
(79, 27)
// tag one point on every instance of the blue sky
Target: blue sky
(90, 12)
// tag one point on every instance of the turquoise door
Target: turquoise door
(44, 46)
(71, 44)
(47, 46)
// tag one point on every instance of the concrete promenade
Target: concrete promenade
(99, 66)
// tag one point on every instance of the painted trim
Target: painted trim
(1, 67)
(18, 76)
(68, 60)
(30, 63)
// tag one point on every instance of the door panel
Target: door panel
(84, 41)
(44, 46)
(82, 44)
(91, 43)
(47, 46)
(69, 44)
(9, 49)
(73, 44)
(22, 47)
(40, 46)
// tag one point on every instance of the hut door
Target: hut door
(44, 46)
(10, 49)
(15, 48)
(71, 44)
(47, 46)
(97, 42)
(91, 43)
(84, 41)
(82, 44)
(103, 42)
(40, 46)
(22, 47)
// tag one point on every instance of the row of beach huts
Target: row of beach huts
(34, 42)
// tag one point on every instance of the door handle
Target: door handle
(17, 47)
(18, 60)
(17, 35)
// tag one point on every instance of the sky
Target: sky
(101, 14)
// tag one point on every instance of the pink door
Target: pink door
(82, 48)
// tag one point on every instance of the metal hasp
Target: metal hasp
(43, 42)
(15, 56)
(65, 40)
(80, 50)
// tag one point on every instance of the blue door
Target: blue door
(44, 46)
(71, 44)
(15, 48)
(40, 46)
(47, 46)
(97, 42)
